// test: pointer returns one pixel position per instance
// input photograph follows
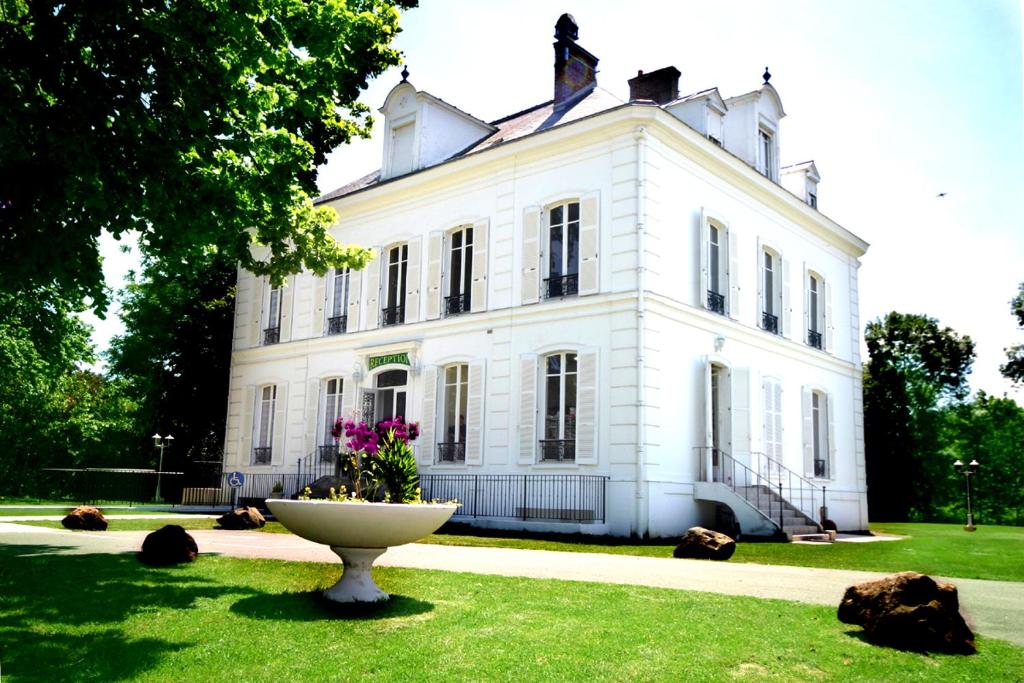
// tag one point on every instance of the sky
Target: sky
(895, 102)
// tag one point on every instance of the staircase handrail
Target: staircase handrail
(798, 491)
(748, 475)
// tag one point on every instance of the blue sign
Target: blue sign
(236, 480)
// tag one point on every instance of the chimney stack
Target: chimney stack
(660, 86)
(575, 68)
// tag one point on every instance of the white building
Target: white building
(607, 316)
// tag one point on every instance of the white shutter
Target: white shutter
(806, 286)
(412, 281)
(371, 319)
(777, 451)
(428, 420)
(248, 413)
(590, 239)
(348, 400)
(287, 299)
(478, 293)
(258, 291)
(787, 301)
(280, 425)
(435, 254)
(531, 255)
(527, 409)
(761, 303)
(702, 248)
(829, 317)
(320, 301)
(586, 407)
(808, 433)
(355, 288)
(830, 438)
(739, 386)
(767, 412)
(475, 411)
(734, 277)
(312, 416)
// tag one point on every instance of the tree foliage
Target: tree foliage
(196, 124)
(1013, 369)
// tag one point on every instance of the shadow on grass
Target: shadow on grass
(463, 529)
(312, 606)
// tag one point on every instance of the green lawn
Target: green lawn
(186, 521)
(106, 617)
(36, 510)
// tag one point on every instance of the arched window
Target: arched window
(263, 438)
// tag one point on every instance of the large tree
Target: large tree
(914, 368)
(1014, 366)
(195, 124)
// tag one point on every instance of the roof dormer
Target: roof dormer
(421, 130)
(802, 180)
(704, 111)
(752, 128)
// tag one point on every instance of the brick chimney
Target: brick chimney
(661, 86)
(575, 68)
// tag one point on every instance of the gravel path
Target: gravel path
(994, 608)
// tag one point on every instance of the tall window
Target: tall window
(398, 265)
(559, 442)
(767, 153)
(772, 421)
(456, 403)
(716, 299)
(337, 322)
(264, 437)
(272, 332)
(814, 310)
(812, 199)
(331, 413)
(770, 287)
(460, 272)
(563, 250)
(819, 434)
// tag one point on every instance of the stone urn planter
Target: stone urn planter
(359, 533)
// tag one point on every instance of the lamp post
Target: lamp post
(968, 470)
(161, 442)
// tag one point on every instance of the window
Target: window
(460, 272)
(331, 413)
(819, 434)
(397, 270)
(337, 321)
(772, 423)
(272, 332)
(716, 256)
(771, 287)
(812, 199)
(456, 404)
(264, 437)
(390, 399)
(814, 311)
(766, 148)
(559, 435)
(402, 138)
(563, 264)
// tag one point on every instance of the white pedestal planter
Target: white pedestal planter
(359, 533)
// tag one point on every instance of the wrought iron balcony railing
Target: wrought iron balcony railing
(770, 322)
(261, 455)
(328, 452)
(395, 315)
(559, 286)
(272, 335)
(453, 451)
(337, 324)
(716, 302)
(814, 339)
(820, 469)
(558, 450)
(454, 305)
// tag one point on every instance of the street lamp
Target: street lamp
(161, 442)
(967, 471)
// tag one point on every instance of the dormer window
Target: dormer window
(812, 199)
(402, 149)
(766, 153)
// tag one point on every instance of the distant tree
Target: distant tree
(193, 124)
(1013, 369)
(914, 368)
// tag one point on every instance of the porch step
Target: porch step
(792, 532)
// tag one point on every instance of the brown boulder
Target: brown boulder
(704, 544)
(169, 545)
(909, 611)
(85, 518)
(241, 518)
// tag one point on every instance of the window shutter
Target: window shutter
(590, 242)
(787, 301)
(435, 255)
(412, 281)
(586, 407)
(428, 420)
(830, 438)
(348, 400)
(777, 452)
(287, 299)
(527, 409)
(313, 419)
(739, 386)
(248, 413)
(830, 329)
(806, 286)
(259, 287)
(761, 303)
(320, 302)
(478, 293)
(475, 410)
(702, 248)
(372, 318)
(768, 416)
(808, 440)
(277, 453)
(709, 439)
(355, 286)
(734, 277)
(531, 255)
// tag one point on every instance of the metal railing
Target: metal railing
(549, 497)
(770, 323)
(456, 304)
(328, 453)
(337, 324)
(802, 494)
(261, 455)
(272, 335)
(453, 451)
(558, 449)
(108, 485)
(393, 315)
(716, 302)
(564, 285)
(814, 339)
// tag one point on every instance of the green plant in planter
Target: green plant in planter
(393, 468)
(277, 489)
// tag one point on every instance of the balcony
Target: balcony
(454, 305)
(337, 325)
(716, 302)
(453, 451)
(814, 339)
(558, 450)
(271, 335)
(560, 286)
(261, 455)
(328, 453)
(770, 323)
(820, 469)
(394, 315)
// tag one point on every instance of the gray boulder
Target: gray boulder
(242, 518)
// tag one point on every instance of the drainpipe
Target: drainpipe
(642, 507)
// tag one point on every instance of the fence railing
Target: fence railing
(549, 497)
(108, 485)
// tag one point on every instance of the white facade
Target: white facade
(648, 338)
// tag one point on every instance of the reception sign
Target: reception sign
(390, 359)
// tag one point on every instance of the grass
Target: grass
(186, 521)
(106, 617)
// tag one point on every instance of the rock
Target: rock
(703, 544)
(909, 611)
(169, 545)
(241, 518)
(85, 518)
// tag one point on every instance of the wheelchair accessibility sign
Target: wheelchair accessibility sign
(236, 480)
